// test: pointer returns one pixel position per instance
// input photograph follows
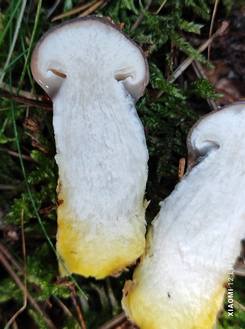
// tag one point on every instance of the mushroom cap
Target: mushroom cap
(61, 54)
(212, 132)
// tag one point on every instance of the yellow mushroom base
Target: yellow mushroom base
(98, 256)
(148, 312)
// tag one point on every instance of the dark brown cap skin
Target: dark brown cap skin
(136, 91)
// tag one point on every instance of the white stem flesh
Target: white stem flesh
(102, 160)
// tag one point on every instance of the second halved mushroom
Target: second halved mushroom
(194, 241)
(94, 75)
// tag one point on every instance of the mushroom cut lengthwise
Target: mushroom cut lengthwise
(194, 241)
(94, 75)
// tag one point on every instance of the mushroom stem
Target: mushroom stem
(94, 74)
(101, 221)
(195, 239)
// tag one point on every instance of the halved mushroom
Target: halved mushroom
(94, 74)
(195, 239)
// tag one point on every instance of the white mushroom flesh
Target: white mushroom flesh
(195, 239)
(94, 74)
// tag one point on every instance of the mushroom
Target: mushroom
(94, 75)
(195, 239)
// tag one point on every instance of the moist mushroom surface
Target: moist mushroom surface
(195, 239)
(94, 74)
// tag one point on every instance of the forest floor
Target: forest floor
(196, 54)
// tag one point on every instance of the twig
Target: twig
(27, 101)
(16, 154)
(16, 33)
(212, 25)
(204, 46)
(17, 92)
(161, 7)
(187, 62)
(201, 74)
(239, 272)
(63, 307)
(7, 254)
(141, 16)
(8, 268)
(91, 9)
(53, 8)
(239, 269)
(78, 309)
(73, 11)
(115, 322)
(5, 187)
(23, 307)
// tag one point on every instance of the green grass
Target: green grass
(28, 176)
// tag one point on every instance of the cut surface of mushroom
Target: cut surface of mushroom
(94, 74)
(195, 239)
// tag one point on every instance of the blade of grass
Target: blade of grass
(13, 62)
(9, 22)
(25, 50)
(16, 33)
(37, 16)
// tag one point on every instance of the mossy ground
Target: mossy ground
(169, 32)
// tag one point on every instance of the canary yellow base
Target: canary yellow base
(99, 255)
(148, 312)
